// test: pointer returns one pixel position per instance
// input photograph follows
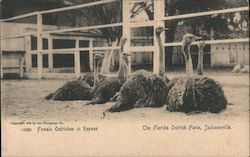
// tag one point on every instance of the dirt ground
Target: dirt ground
(25, 99)
(121, 134)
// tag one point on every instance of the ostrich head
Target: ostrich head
(125, 57)
(201, 45)
(160, 29)
(189, 38)
(98, 59)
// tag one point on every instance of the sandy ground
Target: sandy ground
(25, 99)
(121, 134)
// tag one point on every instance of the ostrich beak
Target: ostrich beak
(197, 38)
(126, 54)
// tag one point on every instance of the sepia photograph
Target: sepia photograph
(124, 78)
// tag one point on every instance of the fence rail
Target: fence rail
(212, 42)
(206, 13)
(83, 28)
(158, 20)
(72, 50)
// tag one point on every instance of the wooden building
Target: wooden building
(20, 60)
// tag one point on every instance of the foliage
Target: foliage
(97, 15)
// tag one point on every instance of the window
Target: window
(63, 60)
(34, 61)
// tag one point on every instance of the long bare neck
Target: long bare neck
(200, 61)
(96, 77)
(162, 55)
(123, 71)
(123, 67)
(188, 59)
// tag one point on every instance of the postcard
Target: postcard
(124, 78)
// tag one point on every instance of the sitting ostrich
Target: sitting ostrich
(245, 69)
(89, 78)
(195, 93)
(142, 88)
(78, 89)
(237, 68)
(108, 87)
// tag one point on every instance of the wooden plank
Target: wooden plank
(77, 60)
(71, 50)
(159, 59)
(238, 40)
(141, 49)
(91, 55)
(84, 28)
(27, 53)
(39, 47)
(206, 13)
(143, 24)
(50, 53)
(19, 16)
(77, 6)
(21, 65)
(1, 63)
(17, 36)
(126, 29)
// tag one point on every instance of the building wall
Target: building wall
(13, 29)
(12, 63)
(229, 54)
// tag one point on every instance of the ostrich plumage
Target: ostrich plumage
(141, 89)
(77, 89)
(110, 86)
(89, 78)
(73, 90)
(106, 90)
(194, 93)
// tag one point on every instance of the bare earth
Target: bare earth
(122, 133)
(25, 99)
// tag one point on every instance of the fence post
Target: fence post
(77, 59)
(50, 53)
(159, 59)
(1, 64)
(27, 53)
(39, 47)
(21, 61)
(126, 28)
(91, 54)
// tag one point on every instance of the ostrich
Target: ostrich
(245, 69)
(78, 89)
(142, 88)
(195, 93)
(110, 86)
(89, 78)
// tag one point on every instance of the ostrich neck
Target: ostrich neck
(200, 62)
(96, 77)
(161, 55)
(123, 67)
(188, 59)
(122, 72)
